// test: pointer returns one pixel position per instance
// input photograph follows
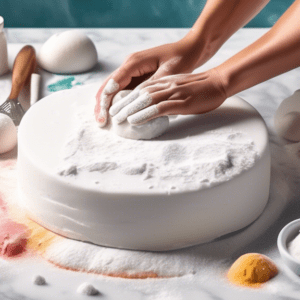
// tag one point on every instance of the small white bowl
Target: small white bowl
(286, 235)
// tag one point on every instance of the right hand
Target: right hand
(169, 59)
(180, 94)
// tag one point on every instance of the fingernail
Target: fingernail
(102, 118)
(143, 115)
(111, 87)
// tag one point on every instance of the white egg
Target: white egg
(287, 118)
(70, 51)
(8, 134)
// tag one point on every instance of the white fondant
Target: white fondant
(8, 134)
(287, 118)
(122, 211)
(71, 51)
(147, 131)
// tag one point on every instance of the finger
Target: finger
(115, 108)
(97, 109)
(116, 82)
(144, 100)
(144, 115)
(103, 101)
(172, 107)
(109, 91)
(141, 102)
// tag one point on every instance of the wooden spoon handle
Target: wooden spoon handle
(24, 66)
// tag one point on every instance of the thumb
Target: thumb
(167, 68)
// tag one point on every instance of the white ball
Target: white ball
(87, 289)
(287, 118)
(70, 51)
(8, 134)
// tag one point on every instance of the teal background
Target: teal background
(119, 13)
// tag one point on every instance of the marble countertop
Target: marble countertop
(113, 45)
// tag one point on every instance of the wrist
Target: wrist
(226, 76)
(203, 43)
(219, 82)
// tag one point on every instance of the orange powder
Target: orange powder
(252, 269)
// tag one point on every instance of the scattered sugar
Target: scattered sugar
(111, 87)
(190, 163)
(39, 280)
(87, 289)
(203, 265)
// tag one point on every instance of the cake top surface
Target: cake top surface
(198, 151)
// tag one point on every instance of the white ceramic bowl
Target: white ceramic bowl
(286, 235)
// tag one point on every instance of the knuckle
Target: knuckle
(178, 93)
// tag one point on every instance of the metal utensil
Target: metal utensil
(24, 66)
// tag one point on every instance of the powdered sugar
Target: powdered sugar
(143, 115)
(141, 102)
(111, 87)
(169, 165)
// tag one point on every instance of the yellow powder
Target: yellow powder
(40, 238)
(252, 269)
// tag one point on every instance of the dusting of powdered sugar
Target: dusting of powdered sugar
(169, 165)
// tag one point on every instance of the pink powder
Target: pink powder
(13, 236)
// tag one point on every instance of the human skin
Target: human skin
(217, 22)
(274, 53)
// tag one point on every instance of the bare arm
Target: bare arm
(218, 21)
(276, 52)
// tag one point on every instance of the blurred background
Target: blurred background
(119, 13)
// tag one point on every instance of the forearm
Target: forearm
(276, 52)
(218, 21)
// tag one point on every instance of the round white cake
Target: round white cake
(207, 176)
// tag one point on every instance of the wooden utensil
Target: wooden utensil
(24, 66)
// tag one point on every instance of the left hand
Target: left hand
(182, 94)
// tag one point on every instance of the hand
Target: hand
(171, 95)
(154, 63)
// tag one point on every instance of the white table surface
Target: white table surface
(113, 45)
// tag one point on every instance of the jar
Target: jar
(3, 49)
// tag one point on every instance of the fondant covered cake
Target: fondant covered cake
(207, 176)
